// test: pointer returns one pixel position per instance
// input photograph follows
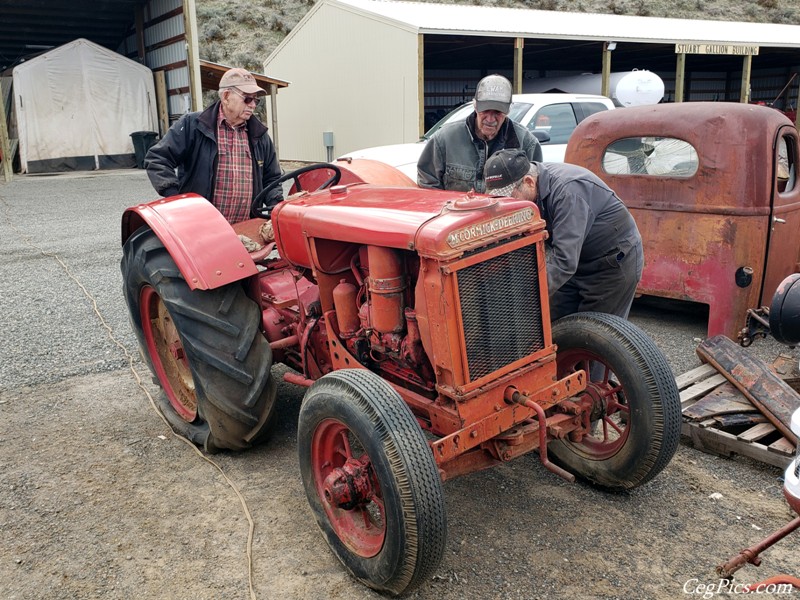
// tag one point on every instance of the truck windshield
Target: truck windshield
(517, 111)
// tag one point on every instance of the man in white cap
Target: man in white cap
(222, 153)
(594, 250)
(454, 157)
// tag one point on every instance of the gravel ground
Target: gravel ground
(98, 500)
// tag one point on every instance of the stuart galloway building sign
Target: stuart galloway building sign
(716, 49)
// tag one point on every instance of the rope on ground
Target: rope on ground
(140, 383)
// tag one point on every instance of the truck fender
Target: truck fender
(202, 243)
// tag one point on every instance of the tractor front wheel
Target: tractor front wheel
(635, 415)
(204, 347)
(371, 480)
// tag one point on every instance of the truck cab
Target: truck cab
(713, 188)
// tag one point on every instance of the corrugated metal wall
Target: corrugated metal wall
(349, 74)
(165, 49)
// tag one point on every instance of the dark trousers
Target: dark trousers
(606, 285)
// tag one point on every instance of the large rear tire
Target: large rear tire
(371, 481)
(636, 416)
(204, 347)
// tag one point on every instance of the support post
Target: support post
(680, 77)
(139, 35)
(519, 46)
(192, 50)
(605, 86)
(744, 94)
(797, 104)
(273, 105)
(421, 83)
(162, 101)
(5, 145)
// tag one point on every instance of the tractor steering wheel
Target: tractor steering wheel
(261, 210)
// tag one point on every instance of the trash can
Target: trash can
(142, 141)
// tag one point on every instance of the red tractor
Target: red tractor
(419, 322)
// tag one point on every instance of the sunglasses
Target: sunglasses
(247, 99)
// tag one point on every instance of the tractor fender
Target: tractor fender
(202, 243)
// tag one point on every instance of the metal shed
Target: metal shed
(374, 72)
(158, 34)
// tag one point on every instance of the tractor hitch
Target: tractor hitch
(517, 397)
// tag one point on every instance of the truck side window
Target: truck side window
(651, 156)
(558, 120)
(786, 168)
(591, 108)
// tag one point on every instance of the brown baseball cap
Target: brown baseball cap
(242, 80)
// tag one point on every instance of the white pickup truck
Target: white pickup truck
(550, 117)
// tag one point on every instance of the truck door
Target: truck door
(783, 246)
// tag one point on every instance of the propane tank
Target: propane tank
(628, 88)
(386, 286)
(344, 301)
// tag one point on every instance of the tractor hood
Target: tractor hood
(431, 222)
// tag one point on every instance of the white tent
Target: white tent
(76, 106)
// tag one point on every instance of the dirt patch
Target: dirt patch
(98, 499)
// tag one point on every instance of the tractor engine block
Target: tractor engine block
(377, 321)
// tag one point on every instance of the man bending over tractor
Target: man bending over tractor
(594, 252)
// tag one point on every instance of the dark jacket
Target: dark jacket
(190, 146)
(586, 221)
(454, 157)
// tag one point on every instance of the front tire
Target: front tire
(204, 347)
(636, 416)
(371, 481)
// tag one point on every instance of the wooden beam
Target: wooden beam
(747, 65)
(162, 101)
(680, 77)
(519, 46)
(5, 144)
(421, 83)
(797, 118)
(139, 34)
(190, 26)
(754, 379)
(697, 374)
(605, 86)
(273, 104)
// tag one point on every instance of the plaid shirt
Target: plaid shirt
(233, 188)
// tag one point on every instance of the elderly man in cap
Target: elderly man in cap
(594, 250)
(454, 157)
(222, 153)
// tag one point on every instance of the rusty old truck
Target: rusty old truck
(713, 188)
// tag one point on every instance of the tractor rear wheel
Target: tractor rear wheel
(204, 347)
(371, 480)
(636, 415)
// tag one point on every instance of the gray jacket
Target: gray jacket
(586, 221)
(454, 157)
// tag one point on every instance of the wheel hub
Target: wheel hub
(168, 355)
(349, 486)
(595, 400)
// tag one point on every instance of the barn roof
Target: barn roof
(518, 22)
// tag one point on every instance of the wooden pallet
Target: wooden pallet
(719, 419)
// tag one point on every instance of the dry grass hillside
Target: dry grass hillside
(243, 33)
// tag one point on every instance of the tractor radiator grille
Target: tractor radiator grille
(501, 310)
